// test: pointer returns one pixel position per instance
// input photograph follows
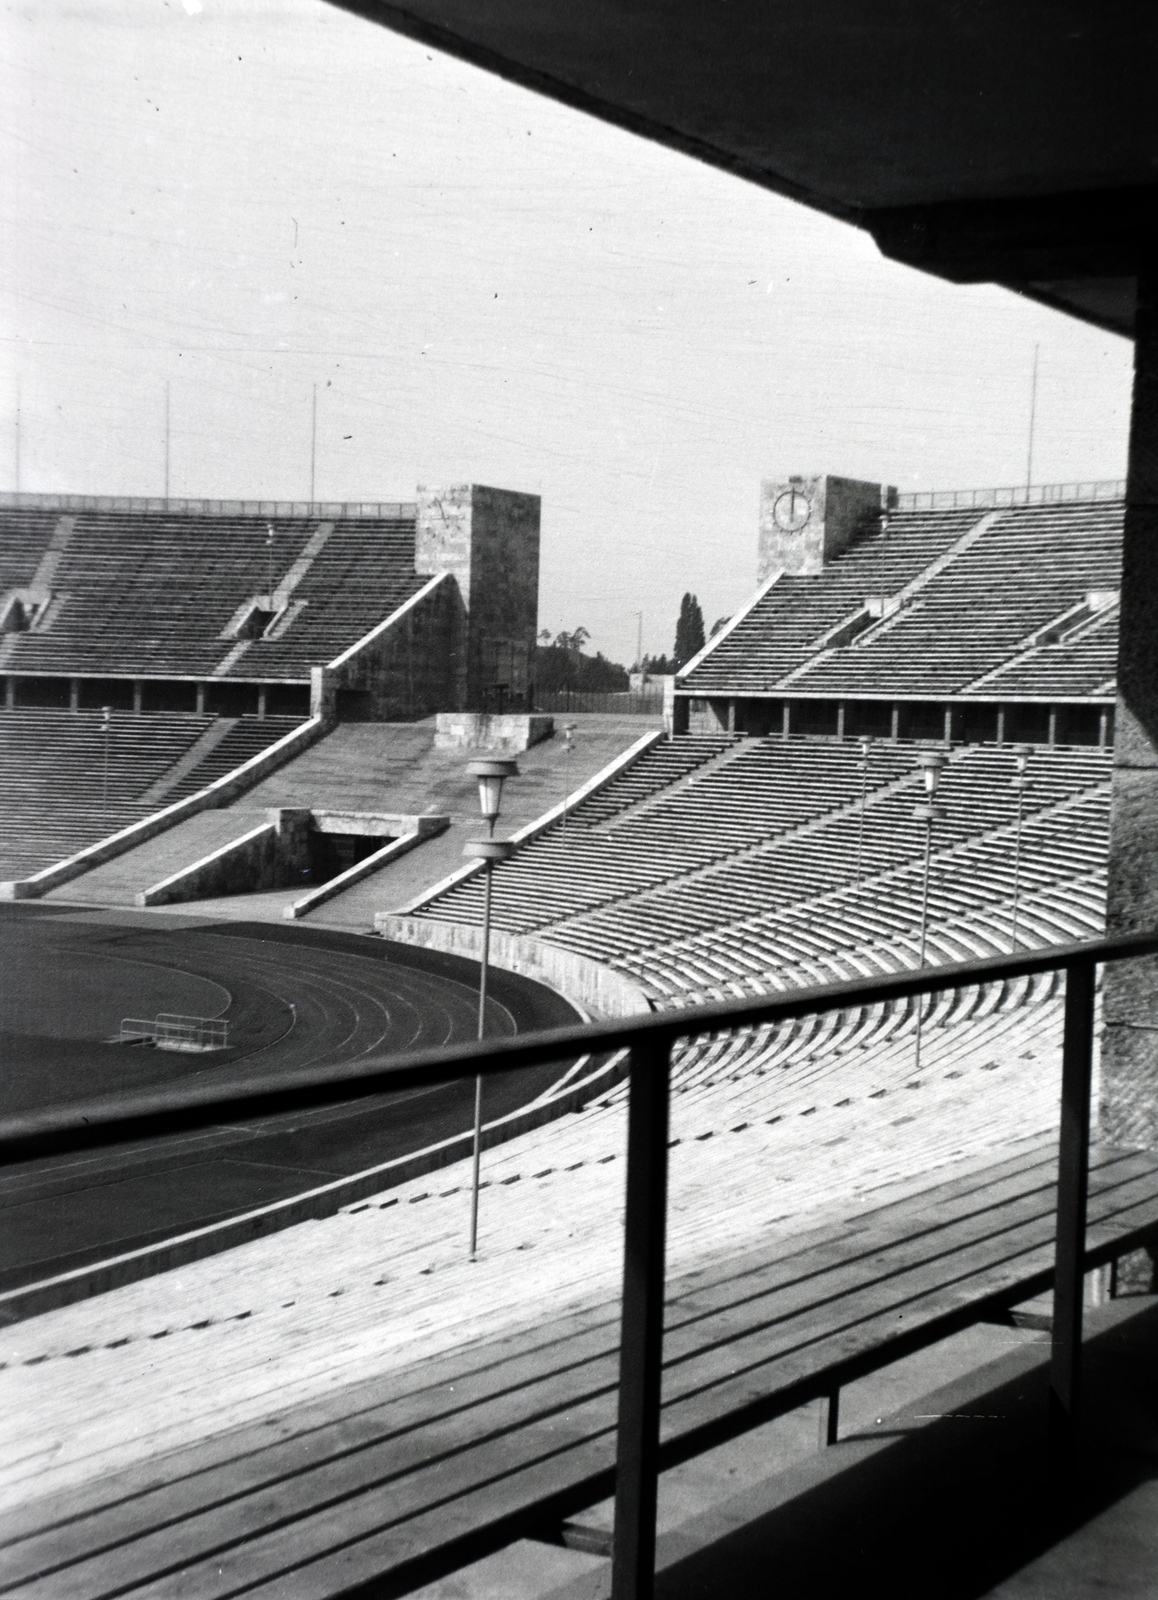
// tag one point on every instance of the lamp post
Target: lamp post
(1020, 784)
(106, 729)
(866, 750)
(491, 776)
(269, 536)
(568, 746)
(928, 813)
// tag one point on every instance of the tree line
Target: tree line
(561, 661)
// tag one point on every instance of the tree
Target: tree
(560, 664)
(689, 639)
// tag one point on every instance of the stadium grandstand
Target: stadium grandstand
(864, 1194)
(150, 651)
(757, 849)
(775, 834)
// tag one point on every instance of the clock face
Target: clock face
(791, 510)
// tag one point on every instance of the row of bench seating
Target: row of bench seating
(53, 789)
(969, 617)
(152, 593)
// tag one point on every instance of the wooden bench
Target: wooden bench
(389, 1483)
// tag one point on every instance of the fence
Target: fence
(626, 704)
(1038, 494)
(171, 1031)
(650, 1040)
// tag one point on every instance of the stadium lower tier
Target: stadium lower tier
(775, 863)
(70, 778)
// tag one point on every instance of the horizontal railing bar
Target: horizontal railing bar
(119, 1119)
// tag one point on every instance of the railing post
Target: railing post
(1072, 1183)
(641, 1338)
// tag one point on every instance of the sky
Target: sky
(237, 200)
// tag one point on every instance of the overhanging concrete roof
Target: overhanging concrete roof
(1006, 140)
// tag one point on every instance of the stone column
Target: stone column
(1129, 1095)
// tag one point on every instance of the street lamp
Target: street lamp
(491, 776)
(106, 729)
(866, 750)
(928, 813)
(1020, 783)
(568, 747)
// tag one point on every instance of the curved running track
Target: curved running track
(294, 997)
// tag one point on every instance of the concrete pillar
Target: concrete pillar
(74, 694)
(731, 716)
(138, 692)
(895, 722)
(1001, 724)
(10, 693)
(262, 690)
(786, 719)
(840, 719)
(948, 724)
(200, 699)
(489, 540)
(1103, 728)
(1128, 1112)
(1051, 737)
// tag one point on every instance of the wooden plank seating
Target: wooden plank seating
(396, 1478)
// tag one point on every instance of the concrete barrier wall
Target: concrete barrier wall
(352, 875)
(506, 735)
(600, 990)
(214, 794)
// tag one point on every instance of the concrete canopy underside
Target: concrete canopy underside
(1014, 144)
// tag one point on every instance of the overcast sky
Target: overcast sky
(243, 198)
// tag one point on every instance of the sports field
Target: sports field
(294, 998)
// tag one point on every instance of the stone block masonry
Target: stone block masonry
(805, 522)
(489, 540)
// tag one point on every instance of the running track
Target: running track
(295, 997)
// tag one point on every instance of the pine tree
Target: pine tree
(689, 639)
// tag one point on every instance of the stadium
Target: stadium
(700, 1145)
(260, 823)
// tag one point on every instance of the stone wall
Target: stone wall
(479, 730)
(411, 668)
(1129, 1083)
(270, 856)
(807, 521)
(600, 991)
(489, 540)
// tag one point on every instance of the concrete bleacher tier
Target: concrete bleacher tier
(760, 868)
(964, 613)
(52, 773)
(154, 593)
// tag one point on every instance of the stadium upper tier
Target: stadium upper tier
(168, 594)
(772, 861)
(926, 605)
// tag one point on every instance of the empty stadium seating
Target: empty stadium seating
(760, 868)
(155, 593)
(53, 788)
(964, 613)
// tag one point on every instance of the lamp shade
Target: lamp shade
(491, 775)
(930, 768)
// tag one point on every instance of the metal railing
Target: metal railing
(650, 1040)
(169, 1030)
(1037, 494)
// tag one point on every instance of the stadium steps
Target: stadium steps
(118, 882)
(820, 1121)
